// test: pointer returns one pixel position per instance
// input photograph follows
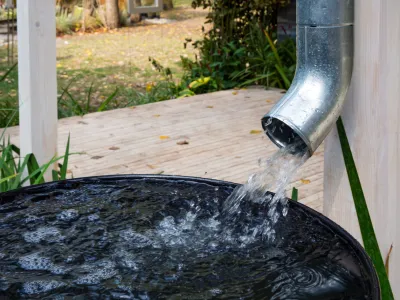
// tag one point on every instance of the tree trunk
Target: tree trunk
(112, 14)
(89, 7)
(168, 4)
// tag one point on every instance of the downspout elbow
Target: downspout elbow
(312, 105)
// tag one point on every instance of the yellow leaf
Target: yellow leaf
(156, 116)
(269, 101)
(210, 106)
(132, 107)
(151, 166)
(235, 93)
(149, 86)
(59, 65)
(164, 137)
(305, 181)
(256, 131)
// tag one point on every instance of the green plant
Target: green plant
(219, 64)
(367, 229)
(69, 106)
(8, 109)
(15, 170)
(232, 20)
(67, 22)
(270, 63)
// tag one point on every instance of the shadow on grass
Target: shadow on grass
(82, 91)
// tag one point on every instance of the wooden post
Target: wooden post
(37, 78)
(372, 120)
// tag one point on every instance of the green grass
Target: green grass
(182, 3)
(110, 61)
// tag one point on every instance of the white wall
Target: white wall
(372, 120)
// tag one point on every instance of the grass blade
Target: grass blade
(7, 178)
(32, 167)
(54, 175)
(77, 105)
(63, 169)
(283, 75)
(273, 48)
(2, 78)
(295, 194)
(367, 230)
(88, 98)
(107, 101)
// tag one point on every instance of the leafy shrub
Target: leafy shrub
(67, 22)
(233, 20)
(240, 48)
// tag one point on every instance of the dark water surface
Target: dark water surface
(166, 239)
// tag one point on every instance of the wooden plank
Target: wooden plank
(220, 145)
(371, 118)
(37, 79)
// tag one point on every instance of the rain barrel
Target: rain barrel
(166, 237)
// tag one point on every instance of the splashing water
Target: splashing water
(171, 239)
(275, 176)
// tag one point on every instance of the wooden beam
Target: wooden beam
(372, 120)
(37, 78)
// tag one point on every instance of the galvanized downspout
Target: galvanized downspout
(310, 108)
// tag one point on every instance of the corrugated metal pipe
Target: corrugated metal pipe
(310, 108)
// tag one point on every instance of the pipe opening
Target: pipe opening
(284, 136)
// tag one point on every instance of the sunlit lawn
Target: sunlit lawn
(117, 59)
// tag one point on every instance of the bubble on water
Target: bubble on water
(135, 239)
(36, 262)
(93, 218)
(2, 255)
(48, 234)
(3, 284)
(41, 286)
(33, 219)
(126, 259)
(68, 215)
(97, 272)
(216, 292)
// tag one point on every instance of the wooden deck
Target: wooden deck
(148, 140)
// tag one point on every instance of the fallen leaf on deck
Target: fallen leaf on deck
(387, 259)
(164, 137)
(156, 116)
(132, 107)
(210, 106)
(269, 101)
(183, 143)
(235, 93)
(305, 181)
(81, 122)
(256, 131)
(151, 166)
(159, 173)
(97, 157)
(114, 148)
